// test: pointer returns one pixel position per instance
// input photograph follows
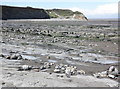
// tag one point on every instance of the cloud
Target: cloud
(106, 9)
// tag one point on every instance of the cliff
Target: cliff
(9, 12)
(66, 14)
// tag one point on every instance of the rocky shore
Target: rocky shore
(54, 54)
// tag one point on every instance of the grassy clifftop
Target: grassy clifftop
(66, 14)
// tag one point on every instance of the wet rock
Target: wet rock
(73, 70)
(48, 57)
(19, 57)
(16, 56)
(3, 83)
(50, 73)
(7, 57)
(63, 69)
(51, 64)
(68, 75)
(57, 67)
(81, 72)
(36, 70)
(1, 55)
(113, 70)
(111, 76)
(45, 70)
(57, 71)
(101, 74)
(65, 66)
(25, 67)
(96, 59)
(47, 65)
(42, 67)
(68, 71)
(60, 76)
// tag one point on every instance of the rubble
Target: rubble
(111, 72)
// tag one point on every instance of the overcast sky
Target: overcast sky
(91, 8)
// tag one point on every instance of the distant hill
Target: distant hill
(10, 12)
(66, 14)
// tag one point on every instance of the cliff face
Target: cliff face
(66, 14)
(22, 13)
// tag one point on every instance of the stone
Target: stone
(1, 55)
(26, 67)
(3, 83)
(57, 67)
(111, 76)
(57, 71)
(48, 57)
(51, 64)
(7, 57)
(96, 75)
(68, 75)
(16, 56)
(42, 67)
(50, 73)
(96, 59)
(63, 68)
(113, 70)
(19, 57)
(36, 70)
(13, 56)
(101, 74)
(68, 71)
(81, 72)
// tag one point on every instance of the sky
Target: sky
(90, 8)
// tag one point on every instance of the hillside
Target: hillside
(66, 14)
